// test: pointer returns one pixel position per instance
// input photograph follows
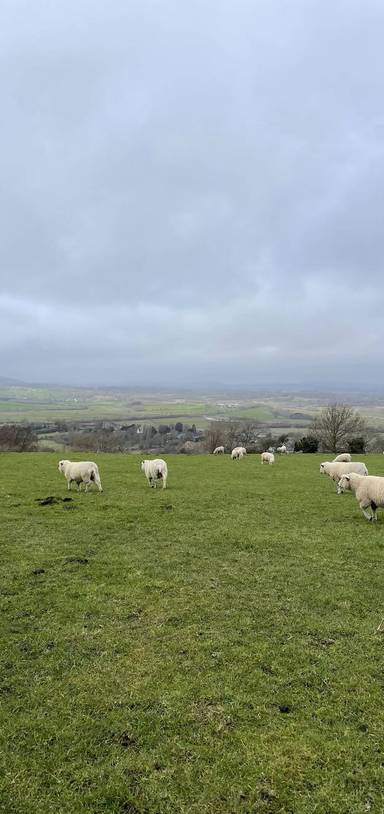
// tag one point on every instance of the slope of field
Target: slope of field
(208, 649)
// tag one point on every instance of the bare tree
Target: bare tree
(214, 436)
(247, 430)
(17, 437)
(232, 434)
(336, 425)
(241, 432)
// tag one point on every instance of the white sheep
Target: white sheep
(155, 470)
(81, 472)
(335, 469)
(267, 458)
(238, 453)
(218, 451)
(282, 450)
(344, 457)
(368, 491)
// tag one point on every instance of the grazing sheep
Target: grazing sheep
(368, 491)
(267, 458)
(218, 451)
(81, 472)
(335, 470)
(238, 453)
(282, 450)
(154, 471)
(345, 457)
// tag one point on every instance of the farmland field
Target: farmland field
(61, 404)
(208, 649)
(280, 411)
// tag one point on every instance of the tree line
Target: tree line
(337, 427)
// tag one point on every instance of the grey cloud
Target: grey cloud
(197, 187)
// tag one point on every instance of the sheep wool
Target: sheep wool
(368, 491)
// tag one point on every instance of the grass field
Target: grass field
(64, 404)
(209, 649)
(120, 410)
(286, 410)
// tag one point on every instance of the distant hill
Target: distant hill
(6, 381)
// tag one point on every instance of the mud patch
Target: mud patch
(48, 501)
(125, 740)
(51, 500)
(6, 689)
(80, 560)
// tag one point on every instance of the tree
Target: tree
(308, 443)
(247, 430)
(357, 445)
(214, 436)
(336, 424)
(232, 433)
(17, 438)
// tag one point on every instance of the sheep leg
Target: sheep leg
(363, 507)
(373, 510)
(97, 482)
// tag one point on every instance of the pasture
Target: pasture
(43, 404)
(207, 649)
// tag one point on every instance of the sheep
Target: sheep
(238, 453)
(81, 472)
(336, 469)
(267, 458)
(155, 470)
(218, 451)
(368, 491)
(345, 457)
(282, 450)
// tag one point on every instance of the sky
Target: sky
(192, 192)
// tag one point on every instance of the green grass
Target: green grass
(44, 404)
(152, 640)
(124, 410)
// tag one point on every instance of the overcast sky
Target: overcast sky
(192, 191)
